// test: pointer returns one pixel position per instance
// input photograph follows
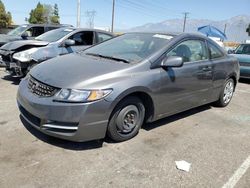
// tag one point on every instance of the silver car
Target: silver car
(21, 56)
(116, 86)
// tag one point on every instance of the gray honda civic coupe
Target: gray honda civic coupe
(113, 88)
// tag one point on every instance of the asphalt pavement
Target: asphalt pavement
(216, 141)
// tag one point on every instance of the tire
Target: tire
(226, 93)
(126, 119)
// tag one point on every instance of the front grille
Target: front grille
(245, 64)
(41, 89)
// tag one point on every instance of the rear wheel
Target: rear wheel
(226, 94)
(126, 120)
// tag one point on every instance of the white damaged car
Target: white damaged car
(20, 56)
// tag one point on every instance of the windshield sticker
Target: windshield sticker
(68, 30)
(167, 37)
(24, 26)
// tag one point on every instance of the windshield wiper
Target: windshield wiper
(109, 57)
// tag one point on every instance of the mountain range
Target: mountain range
(235, 26)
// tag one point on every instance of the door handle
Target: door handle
(208, 68)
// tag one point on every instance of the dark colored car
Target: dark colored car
(242, 53)
(20, 56)
(27, 31)
(116, 86)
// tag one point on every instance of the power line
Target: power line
(119, 4)
(142, 9)
(151, 7)
(138, 10)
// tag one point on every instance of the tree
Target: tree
(55, 17)
(5, 18)
(44, 14)
(248, 30)
(37, 15)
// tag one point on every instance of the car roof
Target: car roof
(89, 29)
(175, 34)
(161, 33)
(48, 25)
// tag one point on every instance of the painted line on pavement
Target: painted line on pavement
(238, 174)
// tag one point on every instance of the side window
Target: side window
(102, 37)
(214, 52)
(190, 50)
(35, 31)
(83, 38)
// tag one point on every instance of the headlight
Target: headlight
(25, 56)
(75, 95)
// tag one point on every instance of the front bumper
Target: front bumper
(18, 69)
(245, 71)
(2, 64)
(70, 121)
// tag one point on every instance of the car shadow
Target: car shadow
(69, 145)
(14, 80)
(170, 119)
(77, 146)
(244, 80)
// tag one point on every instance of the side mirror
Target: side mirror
(25, 35)
(230, 51)
(69, 42)
(172, 61)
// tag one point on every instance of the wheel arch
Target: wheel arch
(234, 77)
(144, 95)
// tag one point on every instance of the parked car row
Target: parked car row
(114, 87)
(20, 56)
(27, 31)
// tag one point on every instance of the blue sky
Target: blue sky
(130, 13)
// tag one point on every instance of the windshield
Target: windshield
(130, 47)
(18, 31)
(54, 35)
(243, 49)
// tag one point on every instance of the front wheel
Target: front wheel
(226, 94)
(126, 120)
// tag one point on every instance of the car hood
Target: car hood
(77, 71)
(22, 43)
(8, 38)
(242, 57)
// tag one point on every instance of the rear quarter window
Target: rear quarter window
(102, 37)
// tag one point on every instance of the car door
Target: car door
(220, 67)
(190, 85)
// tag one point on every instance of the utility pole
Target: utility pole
(113, 16)
(78, 22)
(225, 28)
(91, 17)
(185, 20)
(248, 30)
